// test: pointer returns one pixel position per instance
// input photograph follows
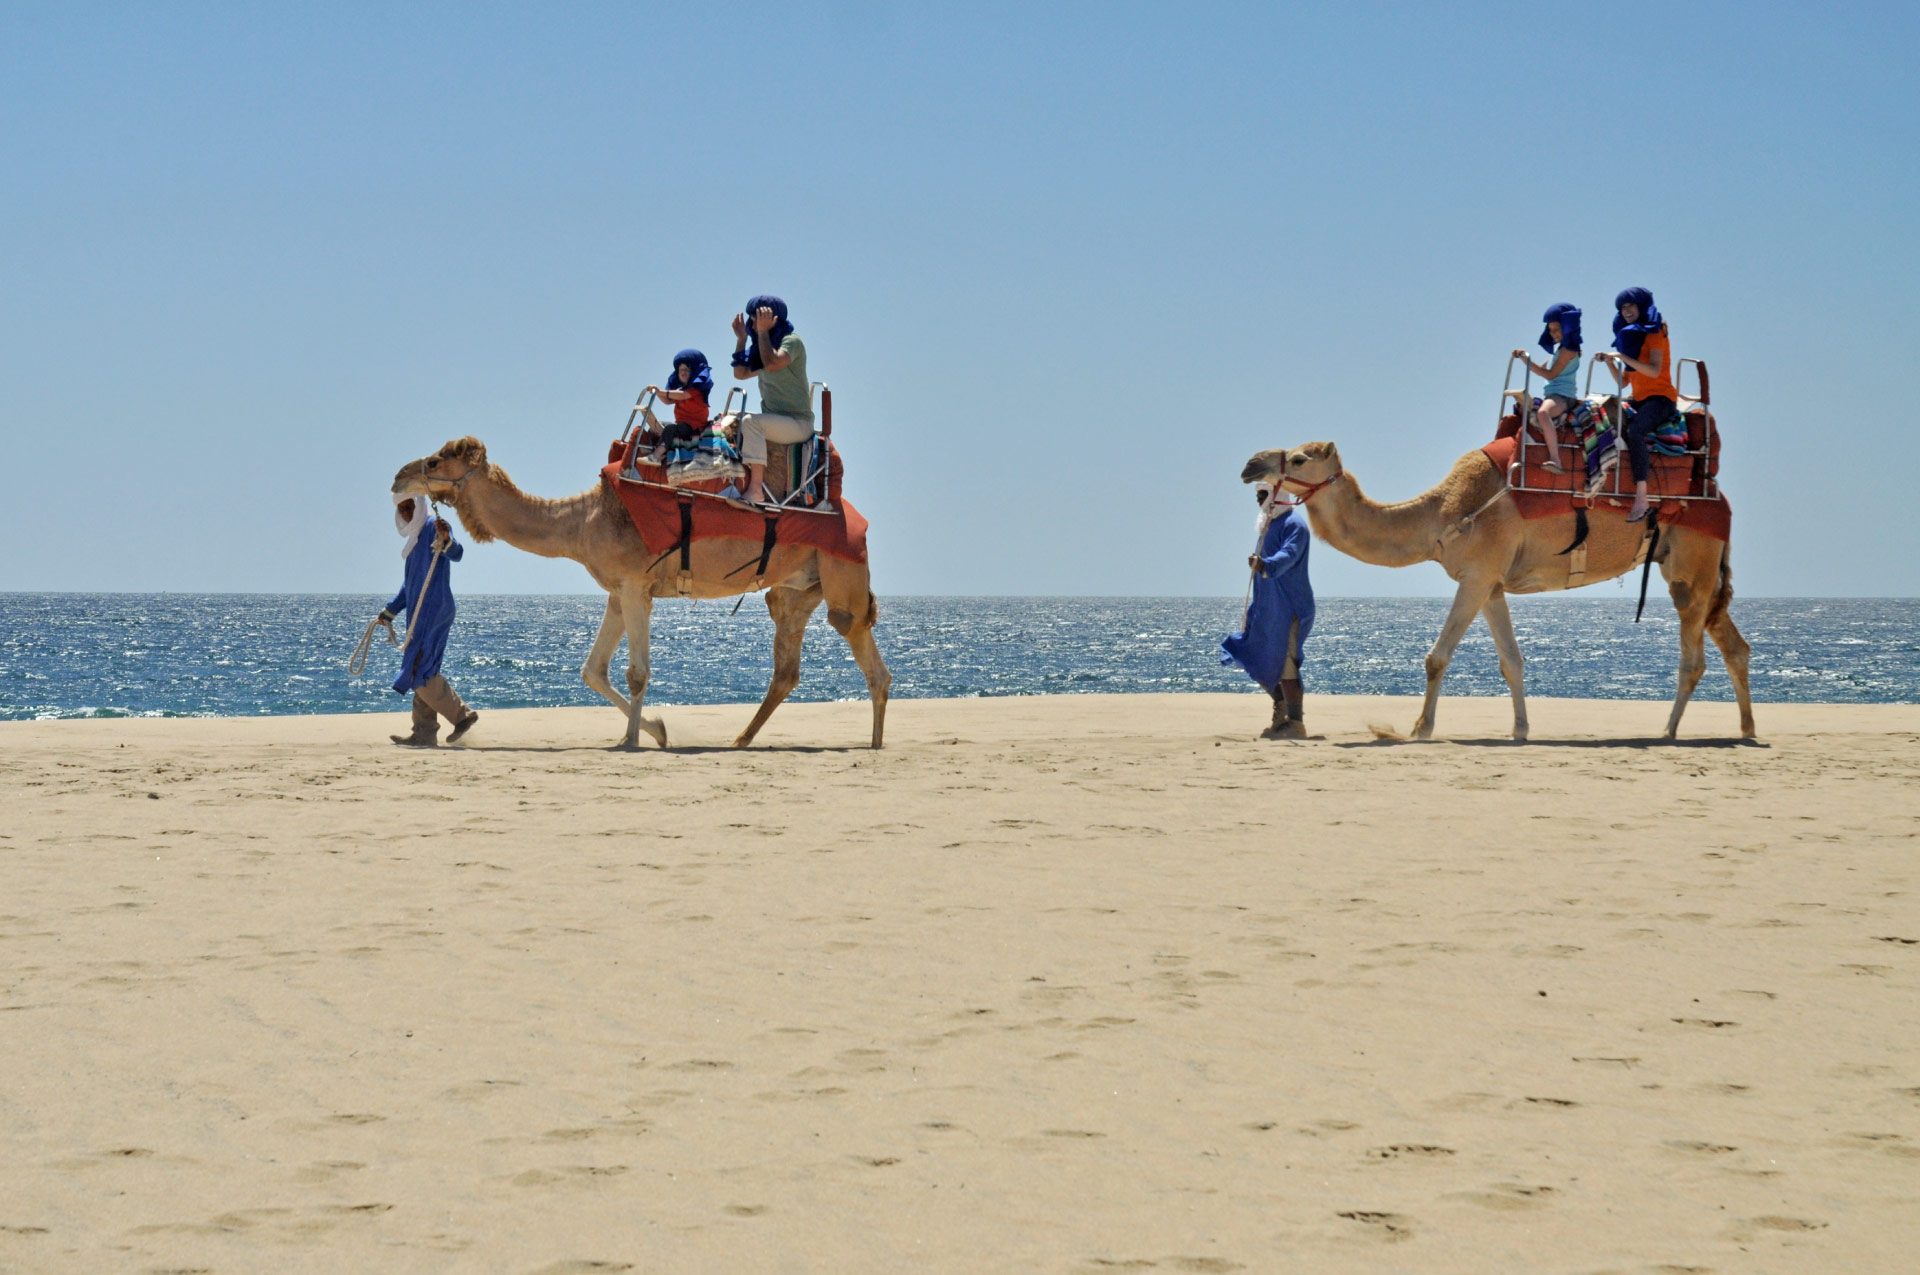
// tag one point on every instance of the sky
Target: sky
(1064, 266)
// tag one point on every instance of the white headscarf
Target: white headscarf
(410, 530)
(1268, 507)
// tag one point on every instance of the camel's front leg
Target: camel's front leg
(1513, 665)
(790, 609)
(596, 671)
(636, 606)
(1467, 601)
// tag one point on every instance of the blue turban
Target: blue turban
(1628, 336)
(781, 329)
(702, 379)
(1569, 319)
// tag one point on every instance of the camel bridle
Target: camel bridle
(1309, 490)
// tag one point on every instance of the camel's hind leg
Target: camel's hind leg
(1692, 569)
(596, 671)
(1733, 647)
(1467, 601)
(790, 609)
(853, 611)
(636, 606)
(1513, 665)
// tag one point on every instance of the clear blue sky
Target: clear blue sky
(1065, 266)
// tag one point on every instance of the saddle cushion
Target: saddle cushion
(841, 533)
(1669, 476)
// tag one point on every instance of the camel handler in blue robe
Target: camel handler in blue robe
(1279, 614)
(428, 604)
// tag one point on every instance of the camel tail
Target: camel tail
(1723, 596)
(873, 607)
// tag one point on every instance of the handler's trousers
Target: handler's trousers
(436, 696)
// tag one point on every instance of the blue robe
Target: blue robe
(1281, 594)
(420, 662)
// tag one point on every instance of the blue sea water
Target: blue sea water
(100, 655)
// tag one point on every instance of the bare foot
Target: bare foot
(1639, 511)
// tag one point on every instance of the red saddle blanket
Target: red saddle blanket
(656, 516)
(1669, 476)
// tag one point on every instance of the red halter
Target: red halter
(1308, 490)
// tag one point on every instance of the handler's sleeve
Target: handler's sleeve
(1292, 544)
(455, 551)
(399, 604)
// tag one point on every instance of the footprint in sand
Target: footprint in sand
(1409, 1150)
(1507, 1197)
(1390, 1227)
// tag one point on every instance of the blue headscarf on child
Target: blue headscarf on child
(1568, 316)
(1628, 336)
(702, 379)
(780, 332)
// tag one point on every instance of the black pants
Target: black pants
(680, 435)
(1648, 414)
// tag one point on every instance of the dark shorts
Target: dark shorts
(680, 435)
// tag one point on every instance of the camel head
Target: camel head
(443, 477)
(1305, 466)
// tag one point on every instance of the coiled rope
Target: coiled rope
(357, 662)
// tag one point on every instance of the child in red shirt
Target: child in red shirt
(687, 389)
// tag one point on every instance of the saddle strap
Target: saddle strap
(684, 582)
(767, 541)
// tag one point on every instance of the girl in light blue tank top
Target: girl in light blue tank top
(1561, 340)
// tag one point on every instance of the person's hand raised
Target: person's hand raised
(442, 531)
(740, 326)
(763, 319)
(1519, 354)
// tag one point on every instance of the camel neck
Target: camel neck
(1385, 535)
(492, 507)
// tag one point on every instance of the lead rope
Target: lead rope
(357, 663)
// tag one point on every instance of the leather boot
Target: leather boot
(426, 727)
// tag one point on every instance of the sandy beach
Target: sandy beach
(1096, 983)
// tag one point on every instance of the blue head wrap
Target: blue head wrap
(702, 379)
(1569, 320)
(781, 329)
(1628, 336)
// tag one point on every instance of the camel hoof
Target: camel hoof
(743, 741)
(1519, 734)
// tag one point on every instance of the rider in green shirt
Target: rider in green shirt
(766, 347)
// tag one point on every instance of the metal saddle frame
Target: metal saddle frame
(815, 463)
(1612, 407)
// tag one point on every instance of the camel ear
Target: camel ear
(468, 449)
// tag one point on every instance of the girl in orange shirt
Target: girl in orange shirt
(1644, 365)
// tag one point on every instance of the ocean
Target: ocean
(175, 655)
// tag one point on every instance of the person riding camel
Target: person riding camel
(1561, 340)
(428, 604)
(1279, 615)
(688, 389)
(1644, 365)
(765, 346)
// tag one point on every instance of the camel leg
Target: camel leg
(1467, 601)
(853, 611)
(636, 606)
(1692, 569)
(1734, 650)
(1513, 665)
(790, 609)
(596, 671)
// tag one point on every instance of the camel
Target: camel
(1469, 525)
(594, 530)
